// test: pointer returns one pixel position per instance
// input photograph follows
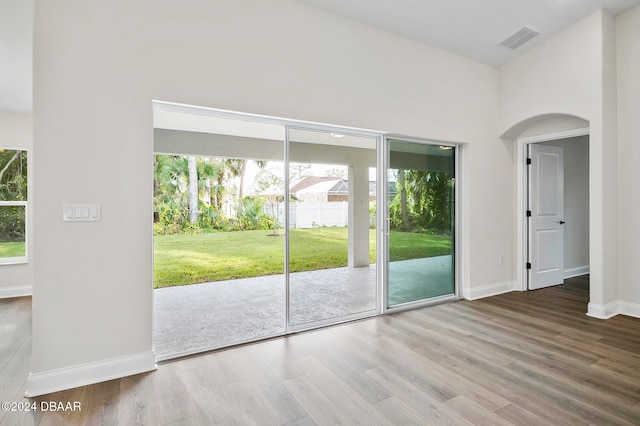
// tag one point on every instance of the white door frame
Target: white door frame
(521, 197)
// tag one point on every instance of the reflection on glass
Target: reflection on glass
(13, 199)
(421, 214)
(332, 246)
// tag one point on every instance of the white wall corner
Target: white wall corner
(603, 311)
(16, 291)
(87, 374)
(576, 272)
(488, 290)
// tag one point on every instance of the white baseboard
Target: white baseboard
(612, 309)
(17, 291)
(629, 309)
(87, 374)
(576, 272)
(603, 311)
(488, 290)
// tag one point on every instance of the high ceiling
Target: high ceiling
(471, 28)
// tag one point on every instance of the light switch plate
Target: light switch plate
(81, 212)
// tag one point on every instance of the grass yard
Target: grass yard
(12, 249)
(409, 245)
(190, 259)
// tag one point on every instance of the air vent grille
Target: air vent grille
(519, 38)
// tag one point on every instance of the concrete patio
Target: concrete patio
(204, 316)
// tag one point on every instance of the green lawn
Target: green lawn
(12, 249)
(409, 245)
(190, 259)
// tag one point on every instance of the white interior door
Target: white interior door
(546, 204)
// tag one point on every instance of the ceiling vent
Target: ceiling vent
(519, 38)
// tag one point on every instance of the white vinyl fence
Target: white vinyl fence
(310, 215)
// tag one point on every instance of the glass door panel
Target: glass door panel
(421, 218)
(219, 245)
(332, 236)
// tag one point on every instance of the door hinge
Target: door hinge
(528, 265)
(528, 213)
(528, 161)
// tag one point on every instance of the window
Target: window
(13, 206)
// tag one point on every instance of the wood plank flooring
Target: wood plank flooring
(524, 358)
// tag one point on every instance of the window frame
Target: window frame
(25, 258)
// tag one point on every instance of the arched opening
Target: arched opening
(569, 134)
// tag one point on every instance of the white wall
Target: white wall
(16, 131)
(628, 54)
(572, 74)
(576, 203)
(98, 65)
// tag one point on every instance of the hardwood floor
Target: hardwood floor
(529, 358)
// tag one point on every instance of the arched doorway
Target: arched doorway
(571, 134)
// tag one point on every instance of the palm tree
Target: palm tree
(404, 210)
(192, 162)
(183, 182)
(243, 171)
(229, 168)
(171, 174)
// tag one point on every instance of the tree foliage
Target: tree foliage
(424, 201)
(195, 193)
(13, 187)
(13, 175)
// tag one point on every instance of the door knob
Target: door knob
(561, 222)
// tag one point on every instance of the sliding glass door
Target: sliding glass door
(420, 230)
(265, 226)
(219, 242)
(332, 236)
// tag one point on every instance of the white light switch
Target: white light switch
(68, 213)
(81, 212)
